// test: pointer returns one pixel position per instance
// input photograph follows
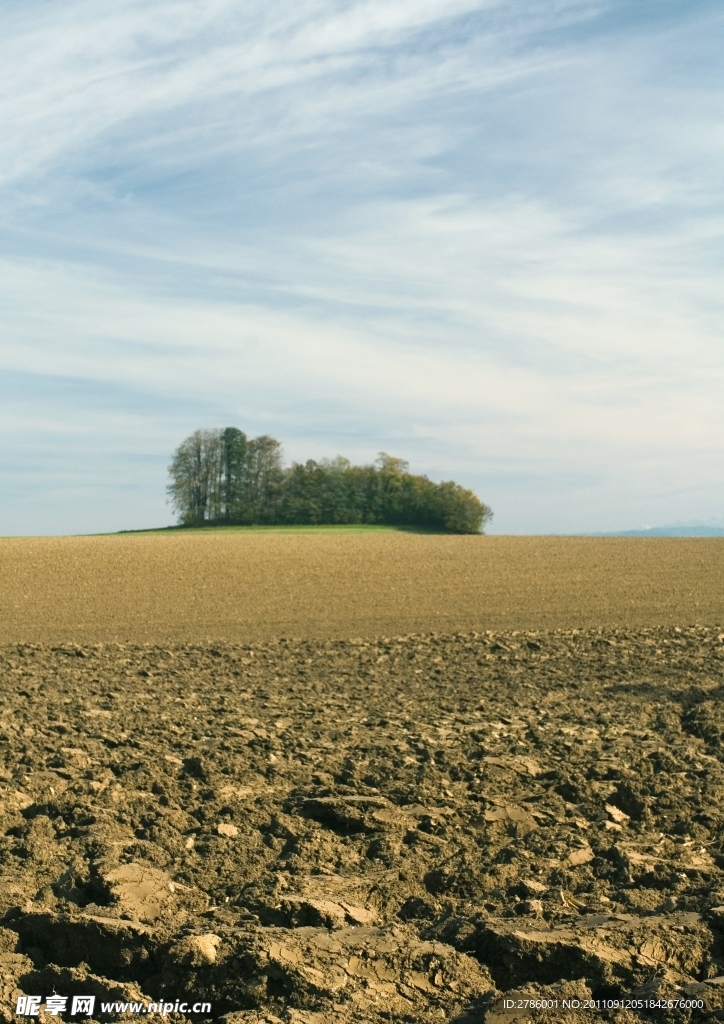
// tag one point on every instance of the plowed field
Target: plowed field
(250, 586)
(502, 814)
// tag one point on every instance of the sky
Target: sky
(484, 236)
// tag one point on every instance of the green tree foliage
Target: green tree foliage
(196, 472)
(221, 476)
(234, 449)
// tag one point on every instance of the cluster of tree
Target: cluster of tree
(221, 476)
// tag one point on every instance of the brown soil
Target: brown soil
(188, 587)
(406, 829)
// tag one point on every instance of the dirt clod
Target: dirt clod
(413, 828)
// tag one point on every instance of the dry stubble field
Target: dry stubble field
(362, 778)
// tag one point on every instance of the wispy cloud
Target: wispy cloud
(177, 71)
(481, 234)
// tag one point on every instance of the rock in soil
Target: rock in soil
(470, 828)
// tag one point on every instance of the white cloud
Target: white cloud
(232, 74)
(480, 233)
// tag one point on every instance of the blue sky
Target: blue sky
(483, 236)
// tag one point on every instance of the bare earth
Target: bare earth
(486, 778)
(251, 586)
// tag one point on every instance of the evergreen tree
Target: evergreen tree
(234, 447)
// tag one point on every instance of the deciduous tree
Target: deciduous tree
(220, 476)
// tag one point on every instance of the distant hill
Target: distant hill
(670, 531)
